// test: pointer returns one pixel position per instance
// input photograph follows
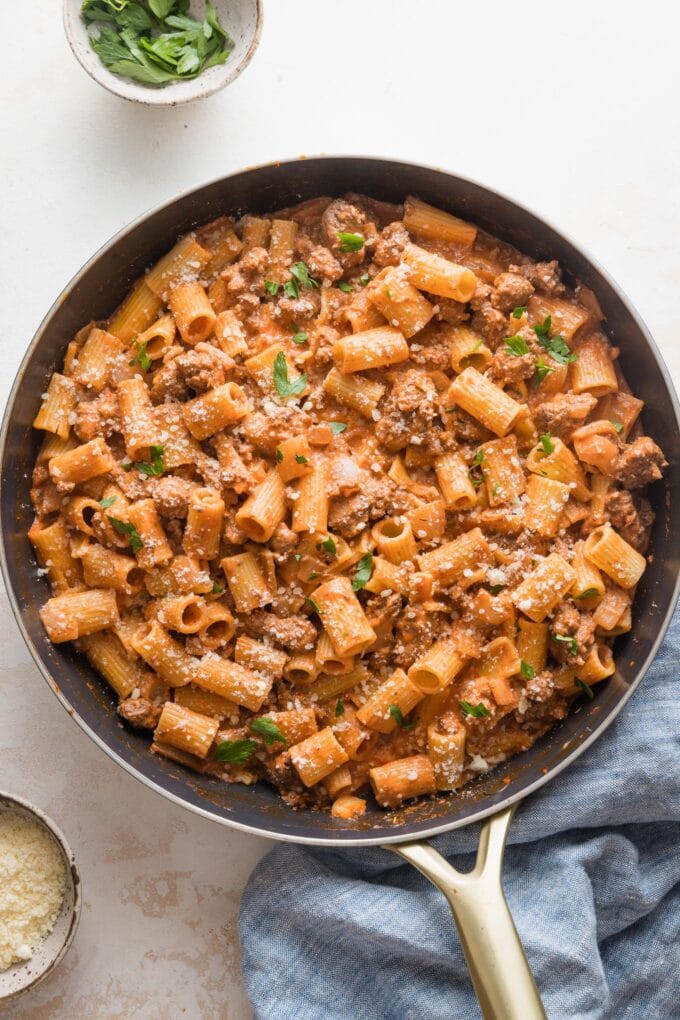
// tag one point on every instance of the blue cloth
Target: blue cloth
(591, 875)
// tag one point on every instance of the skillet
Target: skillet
(495, 956)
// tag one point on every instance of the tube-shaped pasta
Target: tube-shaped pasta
(181, 264)
(222, 242)
(399, 302)
(469, 551)
(561, 465)
(248, 583)
(607, 550)
(203, 702)
(158, 337)
(588, 587)
(156, 550)
(78, 465)
(184, 574)
(179, 446)
(596, 445)
(428, 520)
(317, 756)
(204, 524)
(74, 614)
(374, 348)
(301, 668)
(594, 371)
(281, 249)
(436, 225)
(454, 483)
(386, 576)
(229, 334)
(104, 568)
(468, 350)
(347, 806)
(193, 312)
(216, 409)
(327, 687)
(296, 724)
(343, 617)
(614, 604)
(260, 657)
(107, 654)
(500, 659)
(446, 751)
(294, 458)
(183, 613)
(310, 509)
(140, 430)
(254, 233)
(264, 508)
(545, 504)
(402, 779)
(438, 275)
(546, 585)
(58, 402)
(394, 539)
(217, 626)
(599, 664)
(503, 474)
(398, 692)
(566, 316)
(326, 659)
(622, 409)
(137, 312)
(435, 670)
(52, 549)
(189, 731)
(164, 654)
(96, 358)
(362, 395)
(362, 314)
(532, 644)
(485, 401)
(232, 681)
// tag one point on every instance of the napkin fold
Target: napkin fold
(591, 875)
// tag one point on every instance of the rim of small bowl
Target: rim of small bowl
(206, 84)
(11, 802)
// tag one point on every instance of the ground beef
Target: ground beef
(297, 633)
(640, 463)
(416, 631)
(390, 245)
(408, 411)
(343, 217)
(631, 516)
(204, 367)
(171, 495)
(247, 276)
(507, 368)
(379, 497)
(544, 276)
(283, 539)
(568, 621)
(487, 319)
(465, 428)
(322, 264)
(344, 476)
(97, 417)
(168, 382)
(453, 312)
(140, 712)
(299, 309)
(431, 349)
(510, 290)
(267, 431)
(382, 613)
(563, 413)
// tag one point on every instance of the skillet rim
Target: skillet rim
(397, 836)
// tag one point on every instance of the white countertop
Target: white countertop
(571, 109)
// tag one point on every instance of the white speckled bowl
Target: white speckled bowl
(51, 951)
(241, 18)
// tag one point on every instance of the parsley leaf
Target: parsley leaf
(300, 338)
(328, 545)
(106, 503)
(398, 717)
(364, 279)
(339, 709)
(567, 639)
(556, 346)
(345, 287)
(299, 459)
(527, 671)
(586, 688)
(279, 454)
(128, 530)
(217, 588)
(541, 371)
(495, 589)
(268, 729)
(589, 593)
(141, 358)
(337, 427)
(476, 711)
(235, 752)
(301, 274)
(516, 345)
(291, 289)
(546, 442)
(312, 577)
(271, 287)
(350, 242)
(542, 329)
(157, 466)
(618, 426)
(475, 477)
(284, 386)
(518, 312)
(312, 604)
(479, 459)
(363, 572)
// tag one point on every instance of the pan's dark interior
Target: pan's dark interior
(96, 292)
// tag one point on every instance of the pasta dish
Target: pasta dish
(349, 498)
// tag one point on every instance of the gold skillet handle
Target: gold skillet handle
(498, 967)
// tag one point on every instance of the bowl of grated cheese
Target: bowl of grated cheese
(39, 896)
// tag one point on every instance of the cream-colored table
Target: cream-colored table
(571, 109)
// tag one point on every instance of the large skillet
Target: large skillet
(499, 970)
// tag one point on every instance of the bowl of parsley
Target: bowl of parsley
(163, 52)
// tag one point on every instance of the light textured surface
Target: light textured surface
(570, 110)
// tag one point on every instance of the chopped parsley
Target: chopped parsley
(345, 287)
(496, 489)
(476, 711)
(364, 279)
(362, 575)
(586, 688)
(279, 454)
(527, 670)
(128, 530)
(268, 729)
(141, 358)
(477, 477)
(495, 589)
(567, 639)
(313, 605)
(546, 443)
(291, 289)
(339, 709)
(299, 459)
(556, 346)
(106, 503)
(398, 717)
(271, 287)
(300, 338)
(286, 387)
(217, 588)
(235, 752)
(618, 426)
(589, 593)
(297, 557)
(542, 370)
(516, 345)
(300, 273)
(350, 242)
(313, 576)
(518, 312)
(337, 427)
(328, 545)
(156, 467)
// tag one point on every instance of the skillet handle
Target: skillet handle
(498, 967)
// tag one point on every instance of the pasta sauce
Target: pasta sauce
(348, 498)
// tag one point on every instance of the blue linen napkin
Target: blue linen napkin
(592, 877)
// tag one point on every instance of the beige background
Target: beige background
(572, 109)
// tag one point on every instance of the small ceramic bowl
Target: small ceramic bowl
(53, 948)
(242, 19)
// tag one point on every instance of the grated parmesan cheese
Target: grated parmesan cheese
(32, 884)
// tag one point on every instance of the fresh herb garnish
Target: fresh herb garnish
(155, 41)
(567, 639)
(476, 711)
(271, 287)
(362, 575)
(527, 670)
(350, 242)
(589, 593)
(516, 345)
(496, 489)
(586, 688)
(339, 709)
(299, 459)
(475, 477)
(301, 274)
(268, 729)
(217, 588)
(291, 289)
(618, 426)
(154, 468)
(297, 557)
(141, 358)
(106, 503)
(328, 545)
(495, 589)
(313, 576)
(556, 346)
(313, 605)
(235, 752)
(398, 717)
(279, 454)
(337, 427)
(518, 312)
(128, 530)
(300, 338)
(285, 386)
(345, 287)
(364, 279)
(546, 443)
(541, 371)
